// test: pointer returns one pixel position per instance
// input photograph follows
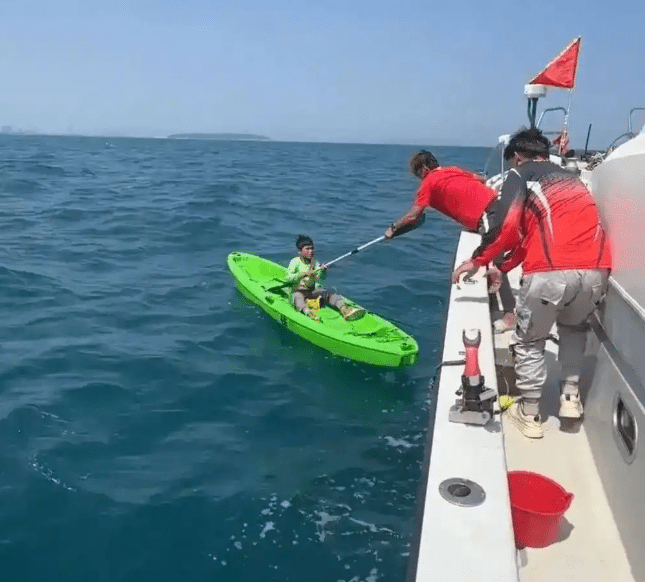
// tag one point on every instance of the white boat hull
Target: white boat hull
(615, 404)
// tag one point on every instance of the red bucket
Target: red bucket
(537, 507)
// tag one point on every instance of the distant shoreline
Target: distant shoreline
(220, 136)
(246, 137)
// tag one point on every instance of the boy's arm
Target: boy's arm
(293, 274)
(321, 272)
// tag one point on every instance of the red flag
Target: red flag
(561, 71)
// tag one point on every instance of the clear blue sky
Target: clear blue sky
(384, 71)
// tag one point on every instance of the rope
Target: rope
(446, 363)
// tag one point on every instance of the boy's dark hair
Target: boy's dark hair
(303, 240)
(423, 159)
(530, 142)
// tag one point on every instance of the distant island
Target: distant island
(218, 136)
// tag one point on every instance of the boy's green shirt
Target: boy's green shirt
(296, 268)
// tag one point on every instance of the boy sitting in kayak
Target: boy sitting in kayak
(303, 274)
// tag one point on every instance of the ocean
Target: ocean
(155, 424)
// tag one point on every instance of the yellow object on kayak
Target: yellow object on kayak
(505, 401)
(314, 305)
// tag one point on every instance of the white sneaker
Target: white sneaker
(529, 426)
(352, 313)
(570, 406)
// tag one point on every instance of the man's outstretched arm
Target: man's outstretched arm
(410, 217)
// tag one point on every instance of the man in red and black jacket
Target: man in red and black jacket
(553, 228)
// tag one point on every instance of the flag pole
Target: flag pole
(573, 85)
(566, 117)
(564, 142)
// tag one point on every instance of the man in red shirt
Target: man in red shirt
(459, 194)
(554, 227)
(462, 196)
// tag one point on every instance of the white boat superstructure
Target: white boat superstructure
(600, 460)
(616, 369)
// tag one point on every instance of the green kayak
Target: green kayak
(370, 339)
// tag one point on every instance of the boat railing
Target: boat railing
(629, 134)
(495, 169)
(542, 115)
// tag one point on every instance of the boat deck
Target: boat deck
(458, 544)
(589, 547)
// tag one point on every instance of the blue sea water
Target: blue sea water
(156, 425)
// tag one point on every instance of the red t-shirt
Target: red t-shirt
(457, 193)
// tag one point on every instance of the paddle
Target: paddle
(356, 250)
(353, 252)
(407, 228)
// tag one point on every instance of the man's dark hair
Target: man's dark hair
(530, 142)
(303, 240)
(509, 152)
(421, 160)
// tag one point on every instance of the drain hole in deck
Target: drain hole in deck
(463, 492)
(459, 490)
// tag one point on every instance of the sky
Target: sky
(352, 71)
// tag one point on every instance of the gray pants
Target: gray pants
(563, 297)
(326, 298)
